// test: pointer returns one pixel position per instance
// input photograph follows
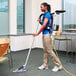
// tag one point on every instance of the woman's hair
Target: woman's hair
(48, 6)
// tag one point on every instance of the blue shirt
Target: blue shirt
(47, 15)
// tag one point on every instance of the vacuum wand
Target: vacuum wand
(23, 67)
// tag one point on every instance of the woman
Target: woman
(47, 39)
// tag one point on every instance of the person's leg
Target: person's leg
(48, 47)
(45, 60)
(45, 51)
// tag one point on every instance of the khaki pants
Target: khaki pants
(47, 44)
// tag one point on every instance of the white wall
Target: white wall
(28, 16)
(12, 12)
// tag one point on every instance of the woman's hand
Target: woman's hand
(39, 20)
(35, 34)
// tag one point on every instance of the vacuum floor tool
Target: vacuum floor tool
(23, 67)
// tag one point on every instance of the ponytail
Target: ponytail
(48, 8)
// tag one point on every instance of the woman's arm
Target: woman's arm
(42, 27)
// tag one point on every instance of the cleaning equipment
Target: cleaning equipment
(23, 67)
(52, 25)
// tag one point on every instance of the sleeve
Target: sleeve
(47, 16)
